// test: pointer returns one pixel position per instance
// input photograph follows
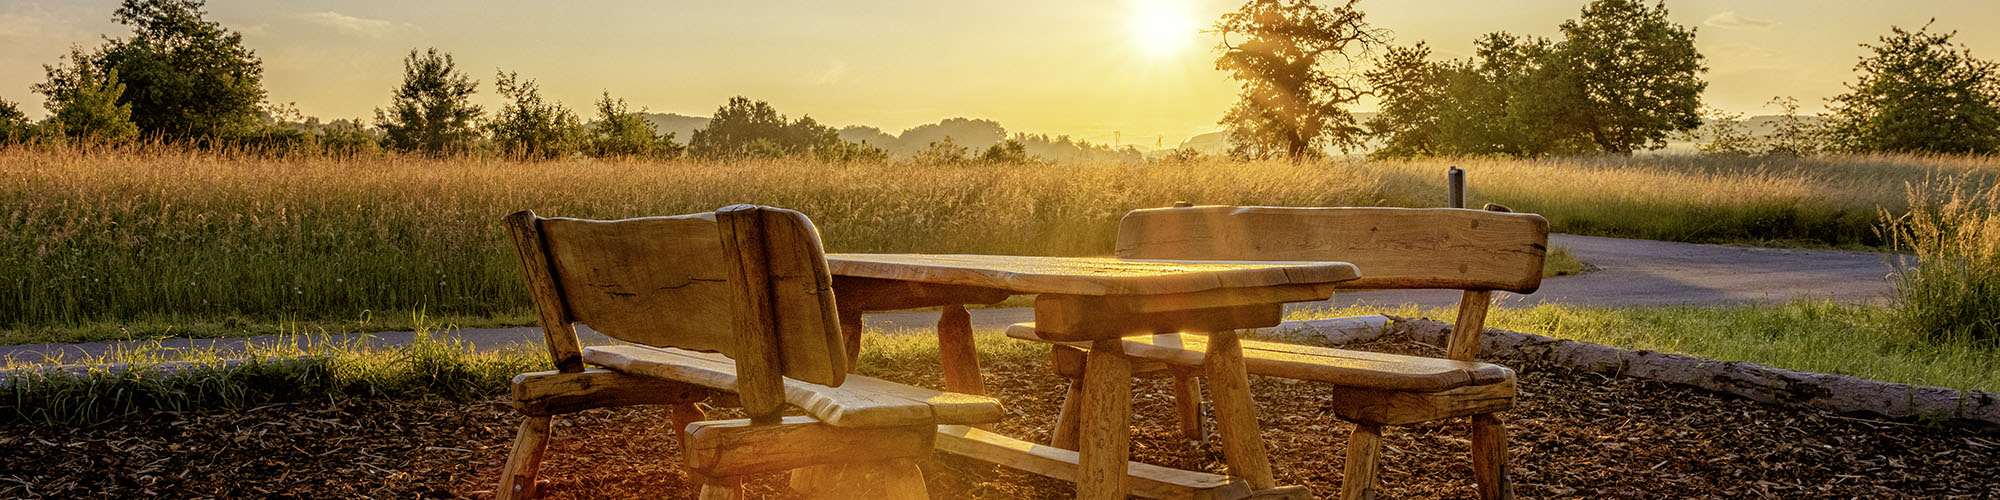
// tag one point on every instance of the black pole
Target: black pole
(1457, 177)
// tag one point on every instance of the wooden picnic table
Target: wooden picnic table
(1096, 299)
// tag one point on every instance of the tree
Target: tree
(1919, 93)
(945, 152)
(1011, 151)
(620, 132)
(186, 77)
(1726, 134)
(1289, 106)
(745, 128)
(14, 125)
(432, 111)
(528, 127)
(1793, 135)
(90, 108)
(1622, 78)
(1632, 75)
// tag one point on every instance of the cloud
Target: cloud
(1728, 19)
(369, 28)
(832, 74)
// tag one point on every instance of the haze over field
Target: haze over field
(1133, 73)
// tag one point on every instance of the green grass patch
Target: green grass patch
(195, 326)
(1813, 336)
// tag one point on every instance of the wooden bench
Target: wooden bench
(731, 307)
(1474, 251)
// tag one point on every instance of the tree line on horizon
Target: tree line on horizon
(1620, 78)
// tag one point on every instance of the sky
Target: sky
(1127, 71)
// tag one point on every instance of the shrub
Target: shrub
(1954, 288)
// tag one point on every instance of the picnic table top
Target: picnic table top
(1095, 276)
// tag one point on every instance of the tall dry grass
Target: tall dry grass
(1953, 230)
(111, 234)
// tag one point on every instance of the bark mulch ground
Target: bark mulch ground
(1573, 435)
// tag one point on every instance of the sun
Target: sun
(1161, 28)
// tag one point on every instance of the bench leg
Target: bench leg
(894, 479)
(1187, 400)
(1235, 413)
(1072, 409)
(1364, 449)
(850, 331)
(1489, 457)
(517, 479)
(956, 352)
(683, 414)
(1104, 423)
(722, 488)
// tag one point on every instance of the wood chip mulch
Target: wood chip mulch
(1573, 435)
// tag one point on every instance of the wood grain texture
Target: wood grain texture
(810, 341)
(1360, 369)
(1104, 425)
(956, 353)
(1145, 480)
(858, 402)
(1079, 318)
(1235, 413)
(1364, 452)
(894, 479)
(1489, 458)
(759, 369)
(1404, 407)
(517, 478)
(1393, 247)
(1464, 344)
(871, 294)
(524, 230)
(738, 447)
(1065, 434)
(1188, 404)
(554, 392)
(1084, 275)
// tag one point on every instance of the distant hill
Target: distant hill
(682, 126)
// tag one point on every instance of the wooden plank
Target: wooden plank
(1404, 407)
(870, 294)
(524, 229)
(721, 448)
(760, 379)
(858, 402)
(553, 392)
(810, 344)
(656, 281)
(1103, 435)
(1077, 318)
(1325, 364)
(1394, 247)
(1235, 413)
(1146, 480)
(1085, 275)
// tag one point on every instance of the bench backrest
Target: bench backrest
(1476, 251)
(1394, 247)
(746, 281)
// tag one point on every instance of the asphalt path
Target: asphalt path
(1625, 273)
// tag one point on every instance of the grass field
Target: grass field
(170, 237)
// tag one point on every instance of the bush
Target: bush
(1954, 232)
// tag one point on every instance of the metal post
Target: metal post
(1457, 177)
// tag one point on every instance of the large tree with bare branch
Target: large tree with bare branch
(1290, 105)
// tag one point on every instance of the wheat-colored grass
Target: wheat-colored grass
(178, 236)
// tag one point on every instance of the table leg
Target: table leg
(1105, 424)
(1235, 414)
(850, 331)
(956, 353)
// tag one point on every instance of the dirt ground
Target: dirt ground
(1573, 435)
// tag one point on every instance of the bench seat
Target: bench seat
(859, 402)
(1388, 389)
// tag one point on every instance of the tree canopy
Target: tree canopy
(528, 126)
(432, 111)
(1289, 105)
(1622, 78)
(90, 109)
(745, 128)
(186, 77)
(620, 132)
(1919, 92)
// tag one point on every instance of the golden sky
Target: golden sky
(1133, 70)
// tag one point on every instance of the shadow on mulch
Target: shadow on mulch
(1573, 435)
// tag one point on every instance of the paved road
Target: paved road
(1628, 273)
